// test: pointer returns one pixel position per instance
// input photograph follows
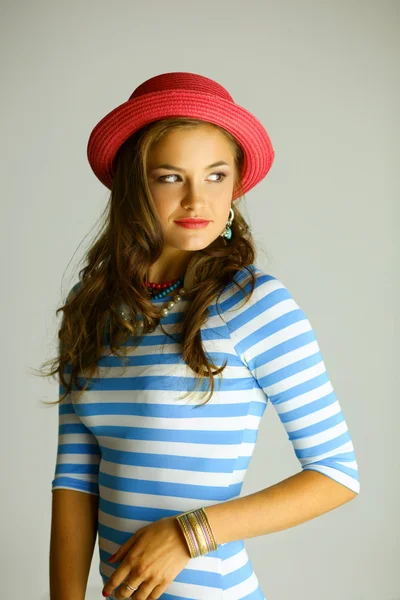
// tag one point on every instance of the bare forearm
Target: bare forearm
(73, 536)
(294, 500)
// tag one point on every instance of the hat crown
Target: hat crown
(180, 94)
(179, 80)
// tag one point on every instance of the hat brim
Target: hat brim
(119, 124)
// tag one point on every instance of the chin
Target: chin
(192, 243)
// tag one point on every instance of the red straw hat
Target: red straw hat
(180, 94)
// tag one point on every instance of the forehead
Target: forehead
(200, 141)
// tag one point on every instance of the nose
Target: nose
(194, 197)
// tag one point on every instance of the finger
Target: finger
(126, 592)
(122, 550)
(119, 555)
(158, 591)
(116, 579)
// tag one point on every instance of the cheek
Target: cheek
(165, 204)
(222, 211)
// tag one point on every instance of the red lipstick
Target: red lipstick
(192, 223)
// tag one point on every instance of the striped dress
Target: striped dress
(148, 454)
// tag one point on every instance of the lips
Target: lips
(192, 221)
(193, 224)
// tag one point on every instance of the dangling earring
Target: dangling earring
(227, 232)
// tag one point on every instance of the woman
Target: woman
(144, 460)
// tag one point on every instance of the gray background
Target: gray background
(323, 79)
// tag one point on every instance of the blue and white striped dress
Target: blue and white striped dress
(148, 454)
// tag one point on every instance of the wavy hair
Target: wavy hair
(130, 240)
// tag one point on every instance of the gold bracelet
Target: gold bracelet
(191, 542)
(197, 531)
(207, 530)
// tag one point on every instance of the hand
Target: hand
(152, 558)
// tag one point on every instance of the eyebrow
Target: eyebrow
(169, 167)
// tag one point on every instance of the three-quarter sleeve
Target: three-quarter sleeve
(275, 340)
(78, 451)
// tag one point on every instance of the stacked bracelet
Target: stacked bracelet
(197, 531)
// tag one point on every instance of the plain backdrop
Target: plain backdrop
(323, 79)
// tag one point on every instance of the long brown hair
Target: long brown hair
(128, 243)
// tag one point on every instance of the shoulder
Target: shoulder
(242, 284)
(240, 299)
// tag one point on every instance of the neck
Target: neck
(169, 267)
(165, 277)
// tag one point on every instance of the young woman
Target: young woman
(153, 447)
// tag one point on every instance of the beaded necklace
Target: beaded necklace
(169, 286)
(166, 288)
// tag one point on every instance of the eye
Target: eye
(163, 178)
(221, 175)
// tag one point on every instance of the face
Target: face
(192, 188)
